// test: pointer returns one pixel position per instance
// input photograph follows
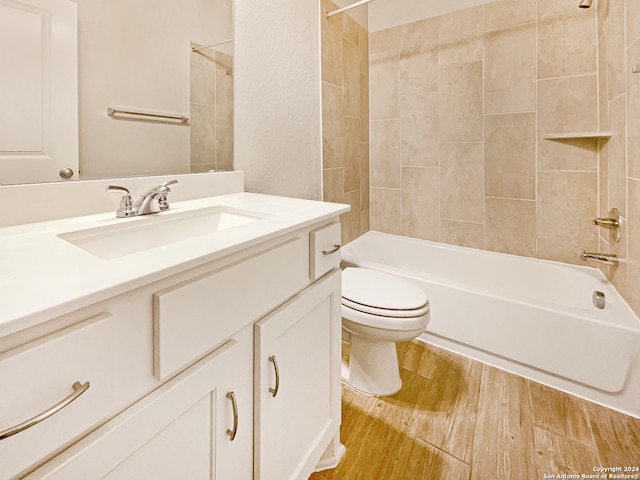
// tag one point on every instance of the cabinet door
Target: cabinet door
(182, 430)
(298, 382)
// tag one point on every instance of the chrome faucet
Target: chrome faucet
(155, 200)
(605, 258)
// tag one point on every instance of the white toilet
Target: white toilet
(378, 310)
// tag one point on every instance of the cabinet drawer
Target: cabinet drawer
(192, 318)
(324, 244)
(40, 375)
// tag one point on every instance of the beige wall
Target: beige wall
(459, 106)
(345, 124)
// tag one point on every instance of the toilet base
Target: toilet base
(373, 367)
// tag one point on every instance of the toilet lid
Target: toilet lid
(381, 291)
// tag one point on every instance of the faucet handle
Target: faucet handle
(126, 208)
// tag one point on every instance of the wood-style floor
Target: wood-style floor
(456, 418)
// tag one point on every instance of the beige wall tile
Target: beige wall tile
(461, 182)
(351, 79)
(385, 206)
(364, 51)
(603, 178)
(465, 234)
(350, 29)
(510, 226)
(567, 104)
(333, 126)
(509, 70)
(633, 221)
(567, 202)
(551, 8)
(419, 70)
(364, 174)
(633, 110)
(333, 185)
(384, 154)
(385, 41)
(568, 154)
(603, 106)
(364, 108)
(420, 37)
(633, 21)
(614, 25)
(201, 167)
(202, 79)
(460, 37)
(384, 86)
(331, 44)
(633, 234)
(419, 127)
(224, 99)
(616, 274)
(364, 221)
(508, 13)
(352, 220)
(460, 108)
(567, 43)
(202, 136)
(510, 155)
(421, 202)
(352, 154)
(617, 156)
(224, 148)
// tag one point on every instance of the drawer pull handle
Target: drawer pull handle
(232, 432)
(274, 391)
(332, 251)
(78, 390)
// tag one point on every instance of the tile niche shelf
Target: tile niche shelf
(572, 135)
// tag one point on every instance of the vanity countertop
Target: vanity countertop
(43, 276)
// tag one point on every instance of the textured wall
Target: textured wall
(277, 97)
(345, 119)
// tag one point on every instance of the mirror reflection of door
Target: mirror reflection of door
(38, 91)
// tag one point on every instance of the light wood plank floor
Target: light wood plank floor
(456, 418)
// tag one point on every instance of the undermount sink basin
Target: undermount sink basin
(156, 230)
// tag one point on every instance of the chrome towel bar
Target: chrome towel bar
(115, 111)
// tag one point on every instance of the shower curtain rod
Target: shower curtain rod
(348, 7)
(202, 47)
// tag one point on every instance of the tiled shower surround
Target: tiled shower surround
(211, 106)
(459, 105)
(345, 119)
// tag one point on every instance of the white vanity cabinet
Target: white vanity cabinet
(227, 369)
(297, 396)
(198, 425)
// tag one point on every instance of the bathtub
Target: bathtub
(534, 318)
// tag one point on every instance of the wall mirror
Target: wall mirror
(150, 82)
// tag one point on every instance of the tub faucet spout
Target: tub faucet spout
(604, 258)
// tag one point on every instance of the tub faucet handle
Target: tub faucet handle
(612, 223)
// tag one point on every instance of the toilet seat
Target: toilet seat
(381, 294)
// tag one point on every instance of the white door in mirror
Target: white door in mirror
(39, 114)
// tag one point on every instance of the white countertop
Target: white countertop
(43, 276)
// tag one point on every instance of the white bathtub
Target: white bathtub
(531, 317)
